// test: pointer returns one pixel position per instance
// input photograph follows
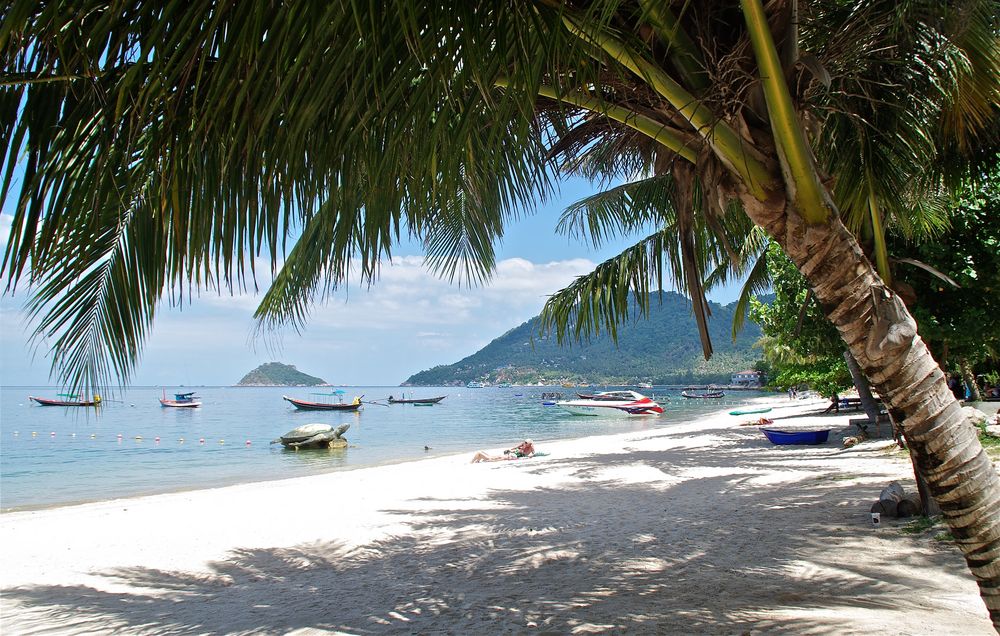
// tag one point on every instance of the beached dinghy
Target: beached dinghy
(783, 438)
(751, 411)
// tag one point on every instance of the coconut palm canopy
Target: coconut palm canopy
(164, 144)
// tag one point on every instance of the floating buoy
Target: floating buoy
(201, 440)
(248, 442)
(119, 435)
(138, 438)
(93, 435)
(72, 434)
(52, 434)
(222, 441)
(181, 440)
(16, 433)
(157, 440)
(34, 433)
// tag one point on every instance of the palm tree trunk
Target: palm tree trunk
(868, 402)
(882, 337)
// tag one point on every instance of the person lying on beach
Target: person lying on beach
(524, 449)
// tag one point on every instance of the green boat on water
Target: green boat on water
(763, 409)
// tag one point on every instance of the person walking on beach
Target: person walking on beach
(524, 449)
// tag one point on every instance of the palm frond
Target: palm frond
(622, 210)
(603, 299)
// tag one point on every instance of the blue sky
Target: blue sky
(407, 322)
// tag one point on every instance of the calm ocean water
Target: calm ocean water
(53, 456)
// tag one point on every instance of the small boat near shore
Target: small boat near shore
(788, 438)
(751, 411)
(71, 402)
(305, 405)
(616, 403)
(710, 395)
(181, 401)
(405, 400)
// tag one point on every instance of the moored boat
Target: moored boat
(306, 405)
(614, 403)
(475, 385)
(181, 400)
(405, 400)
(704, 396)
(73, 402)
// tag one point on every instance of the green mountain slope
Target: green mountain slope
(278, 374)
(663, 349)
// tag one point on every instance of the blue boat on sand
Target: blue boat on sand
(783, 438)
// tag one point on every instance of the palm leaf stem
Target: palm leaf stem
(878, 236)
(793, 149)
(727, 143)
(683, 52)
(641, 123)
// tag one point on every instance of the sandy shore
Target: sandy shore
(700, 528)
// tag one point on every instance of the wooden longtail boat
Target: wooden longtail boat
(708, 395)
(433, 400)
(324, 406)
(50, 402)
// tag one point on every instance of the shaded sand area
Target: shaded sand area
(700, 528)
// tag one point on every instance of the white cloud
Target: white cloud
(6, 224)
(407, 321)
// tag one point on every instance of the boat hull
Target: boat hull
(703, 396)
(303, 405)
(179, 404)
(48, 402)
(433, 400)
(608, 411)
(766, 409)
(789, 438)
(612, 403)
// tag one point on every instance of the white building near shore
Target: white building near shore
(748, 378)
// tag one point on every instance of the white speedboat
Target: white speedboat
(614, 403)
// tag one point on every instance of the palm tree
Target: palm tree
(164, 144)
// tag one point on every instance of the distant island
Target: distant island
(278, 374)
(661, 349)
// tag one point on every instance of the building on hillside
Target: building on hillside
(748, 378)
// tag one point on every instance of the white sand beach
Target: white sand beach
(698, 528)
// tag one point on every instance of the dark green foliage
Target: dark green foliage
(662, 349)
(802, 345)
(960, 322)
(278, 374)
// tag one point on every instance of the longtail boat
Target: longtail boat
(704, 396)
(404, 400)
(73, 402)
(305, 405)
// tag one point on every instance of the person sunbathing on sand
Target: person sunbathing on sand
(524, 449)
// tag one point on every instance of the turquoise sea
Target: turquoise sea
(51, 456)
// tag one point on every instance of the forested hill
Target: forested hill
(663, 349)
(278, 374)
